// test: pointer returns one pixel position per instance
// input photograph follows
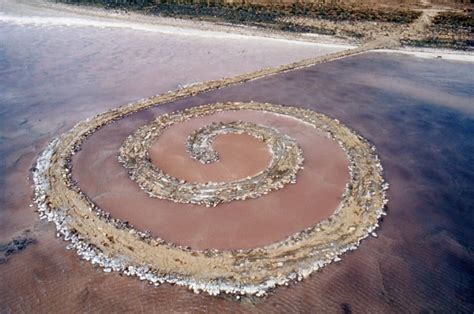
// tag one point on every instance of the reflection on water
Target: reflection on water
(418, 113)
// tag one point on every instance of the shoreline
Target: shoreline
(180, 25)
(445, 27)
(93, 16)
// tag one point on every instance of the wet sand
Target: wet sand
(235, 225)
(422, 259)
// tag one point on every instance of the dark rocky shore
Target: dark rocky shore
(449, 29)
(16, 245)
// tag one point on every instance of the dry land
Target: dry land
(356, 21)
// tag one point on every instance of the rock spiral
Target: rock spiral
(287, 159)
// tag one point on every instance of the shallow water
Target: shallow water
(233, 225)
(52, 77)
(418, 113)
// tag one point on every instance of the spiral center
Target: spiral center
(287, 160)
(240, 156)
